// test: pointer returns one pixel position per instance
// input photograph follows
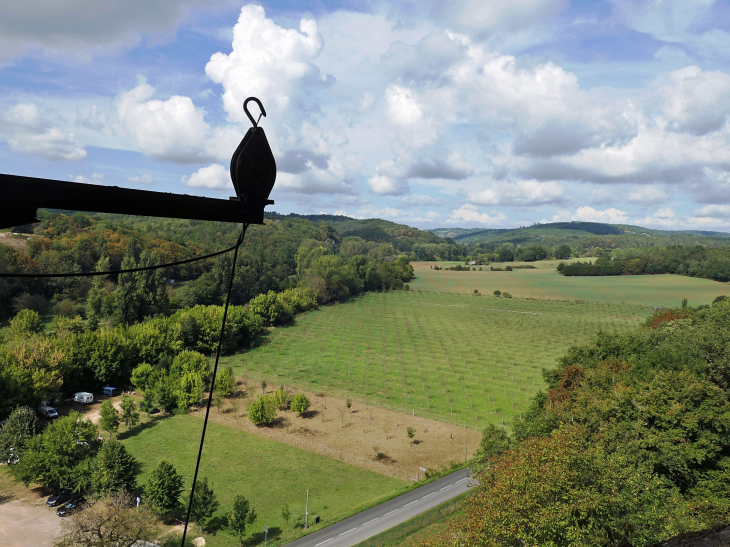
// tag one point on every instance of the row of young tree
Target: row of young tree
(630, 445)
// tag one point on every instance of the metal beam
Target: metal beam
(20, 197)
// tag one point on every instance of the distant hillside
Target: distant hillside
(370, 229)
(584, 235)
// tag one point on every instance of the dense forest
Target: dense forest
(630, 445)
(284, 253)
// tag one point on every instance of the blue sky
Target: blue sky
(464, 113)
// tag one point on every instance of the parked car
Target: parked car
(71, 507)
(48, 412)
(84, 398)
(13, 458)
(60, 497)
(110, 391)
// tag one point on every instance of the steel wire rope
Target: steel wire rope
(128, 270)
(218, 349)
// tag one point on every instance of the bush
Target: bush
(280, 398)
(497, 293)
(506, 295)
(300, 403)
(269, 308)
(262, 411)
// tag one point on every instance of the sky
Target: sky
(468, 113)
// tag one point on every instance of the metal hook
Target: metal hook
(250, 117)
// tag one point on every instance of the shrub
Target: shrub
(300, 403)
(280, 398)
(506, 295)
(497, 293)
(262, 411)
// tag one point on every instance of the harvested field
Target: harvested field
(546, 283)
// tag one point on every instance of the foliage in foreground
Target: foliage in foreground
(630, 445)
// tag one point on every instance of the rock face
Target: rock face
(715, 537)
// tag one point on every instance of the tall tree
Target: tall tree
(239, 517)
(96, 294)
(21, 427)
(130, 416)
(62, 455)
(109, 417)
(113, 469)
(164, 487)
(204, 502)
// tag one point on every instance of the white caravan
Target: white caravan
(83, 398)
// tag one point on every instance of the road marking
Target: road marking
(368, 522)
(445, 487)
(325, 541)
(460, 480)
(350, 530)
(431, 494)
(407, 504)
(393, 511)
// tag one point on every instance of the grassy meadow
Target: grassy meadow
(268, 473)
(458, 358)
(545, 282)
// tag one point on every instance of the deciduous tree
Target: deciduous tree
(164, 487)
(239, 517)
(109, 417)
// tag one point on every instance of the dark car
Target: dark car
(72, 506)
(59, 497)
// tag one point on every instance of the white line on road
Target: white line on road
(325, 541)
(368, 522)
(407, 504)
(445, 487)
(461, 480)
(393, 511)
(350, 530)
(431, 494)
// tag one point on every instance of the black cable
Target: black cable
(212, 382)
(129, 270)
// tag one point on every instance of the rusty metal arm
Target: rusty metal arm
(20, 197)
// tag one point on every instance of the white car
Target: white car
(48, 412)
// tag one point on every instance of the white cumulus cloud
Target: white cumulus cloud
(469, 213)
(215, 177)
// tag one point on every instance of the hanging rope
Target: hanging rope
(212, 382)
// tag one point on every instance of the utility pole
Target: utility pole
(266, 535)
(306, 514)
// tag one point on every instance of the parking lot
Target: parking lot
(27, 523)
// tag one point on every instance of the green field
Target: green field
(545, 282)
(457, 358)
(268, 473)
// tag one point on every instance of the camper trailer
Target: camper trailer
(83, 398)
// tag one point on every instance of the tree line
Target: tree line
(692, 261)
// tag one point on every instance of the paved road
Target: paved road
(386, 515)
